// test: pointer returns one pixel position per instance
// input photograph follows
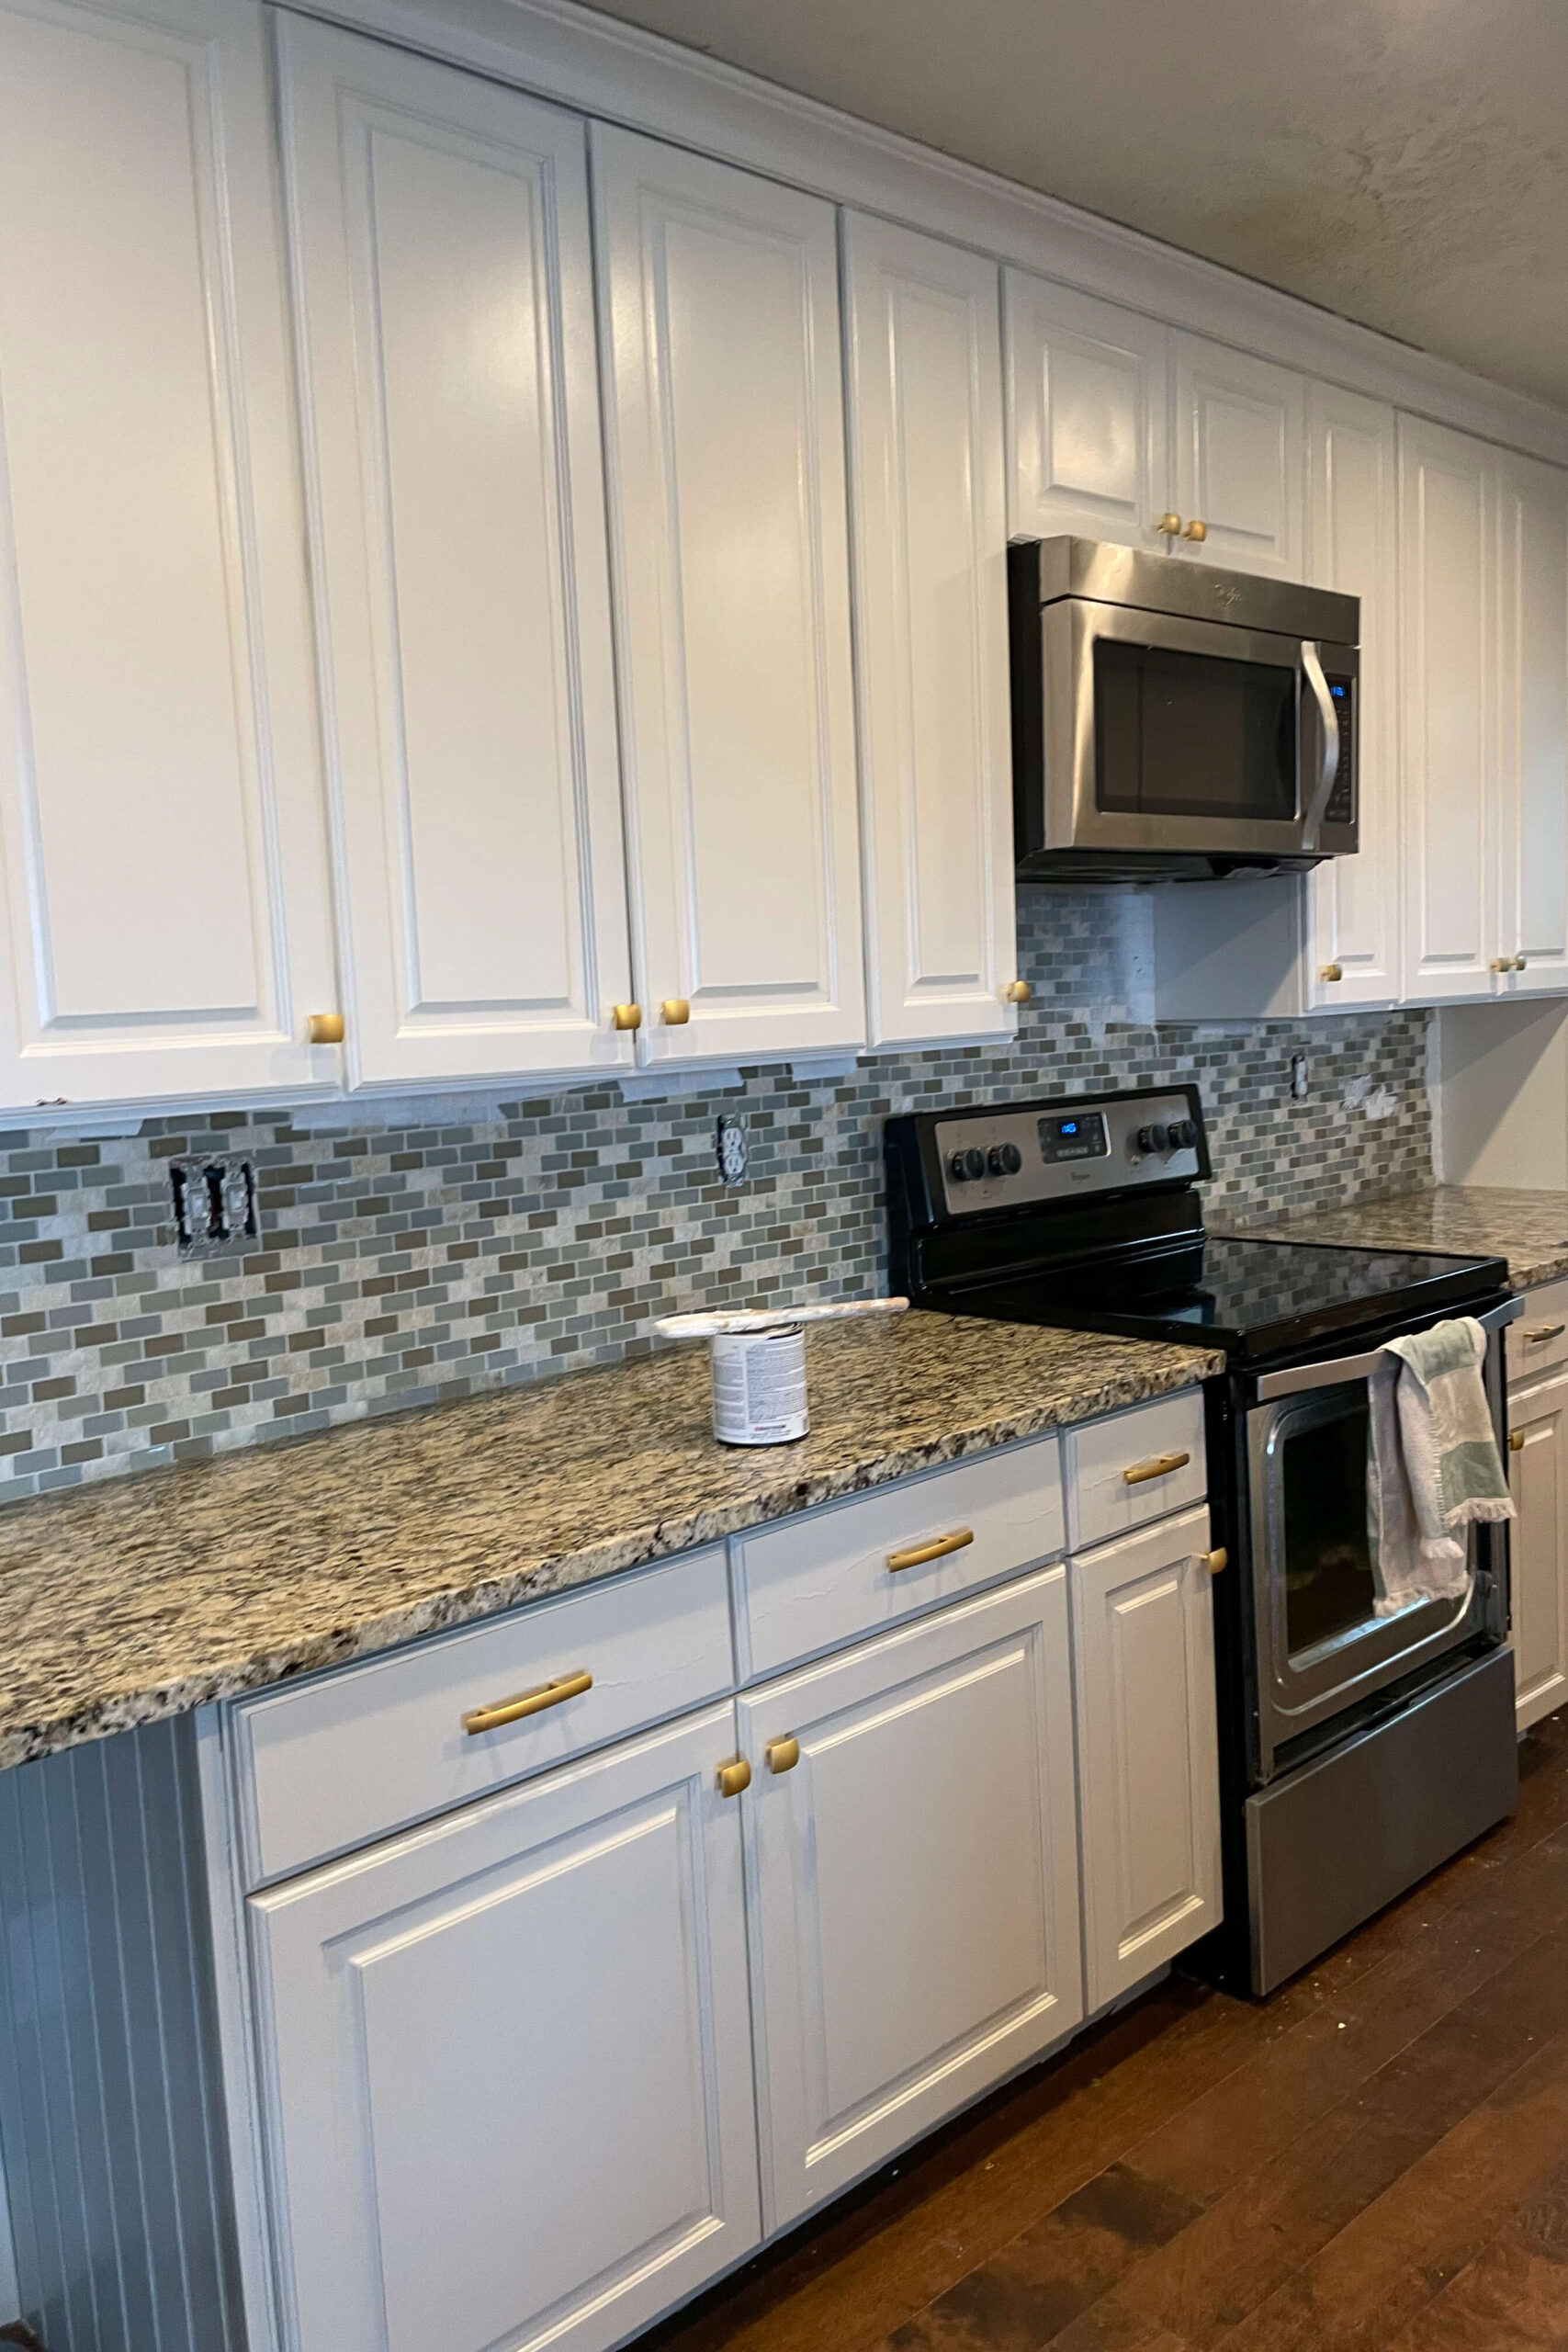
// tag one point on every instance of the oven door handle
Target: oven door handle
(1329, 1374)
(1328, 766)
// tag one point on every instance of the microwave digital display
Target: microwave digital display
(1082, 1136)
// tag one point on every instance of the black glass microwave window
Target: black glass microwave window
(1193, 734)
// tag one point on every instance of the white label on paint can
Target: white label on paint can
(758, 1387)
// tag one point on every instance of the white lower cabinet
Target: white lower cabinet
(507, 2068)
(912, 1861)
(1538, 1475)
(1144, 1657)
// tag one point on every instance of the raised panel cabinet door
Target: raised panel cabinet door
(1088, 416)
(167, 929)
(506, 2062)
(912, 1881)
(1353, 547)
(929, 540)
(1448, 692)
(444, 286)
(1533, 708)
(724, 401)
(1537, 1548)
(1239, 435)
(1144, 1645)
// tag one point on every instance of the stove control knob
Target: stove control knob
(1184, 1135)
(1004, 1159)
(974, 1162)
(1152, 1139)
(956, 1166)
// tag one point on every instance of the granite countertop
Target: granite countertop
(147, 1596)
(1530, 1229)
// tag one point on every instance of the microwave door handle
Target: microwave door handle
(1328, 718)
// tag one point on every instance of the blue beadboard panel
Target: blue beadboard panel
(111, 2112)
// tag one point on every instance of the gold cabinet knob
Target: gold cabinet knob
(734, 1776)
(1018, 992)
(1520, 964)
(1516, 1440)
(324, 1028)
(626, 1016)
(1330, 971)
(1216, 1560)
(782, 1755)
(1502, 964)
(1196, 530)
(1169, 524)
(676, 1012)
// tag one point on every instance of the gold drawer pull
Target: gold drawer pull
(1018, 992)
(1160, 1465)
(1538, 1333)
(782, 1755)
(734, 1776)
(676, 1011)
(1169, 524)
(1217, 1562)
(626, 1016)
(1516, 1440)
(527, 1702)
(1196, 530)
(1331, 971)
(919, 1553)
(324, 1028)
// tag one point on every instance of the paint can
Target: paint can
(758, 1387)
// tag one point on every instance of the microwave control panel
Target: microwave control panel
(1341, 807)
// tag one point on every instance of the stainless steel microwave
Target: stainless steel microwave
(1172, 721)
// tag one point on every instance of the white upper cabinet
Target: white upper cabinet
(1532, 721)
(1447, 589)
(724, 401)
(929, 540)
(1352, 546)
(445, 291)
(164, 879)
(1088, 416)
(1239, 435)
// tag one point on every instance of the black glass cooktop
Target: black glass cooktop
(1253, 1297)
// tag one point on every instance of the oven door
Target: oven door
(1319, 1648)
(1196, 737)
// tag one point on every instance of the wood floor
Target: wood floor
(1379, 2156)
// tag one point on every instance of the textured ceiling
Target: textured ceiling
(1401, 161)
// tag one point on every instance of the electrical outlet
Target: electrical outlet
(215, 1203)
(729, 1149)
(1301, 1077)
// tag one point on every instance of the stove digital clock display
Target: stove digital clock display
(1082, 1136)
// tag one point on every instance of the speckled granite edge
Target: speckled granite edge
(145, 1598)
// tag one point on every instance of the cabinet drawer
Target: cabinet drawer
(808, 1583)
(324, 1766)
(1540, 1339)
(1135, 1466)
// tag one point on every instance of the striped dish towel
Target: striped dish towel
(1433, 1467)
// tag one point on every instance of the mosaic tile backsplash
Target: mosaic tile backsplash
(423, 1251)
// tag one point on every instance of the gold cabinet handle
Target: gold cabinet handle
(1196, 531)
(526, 1702)
(919, 1553)
(1521, 964)
(782, 1755)
(1331, 971)
(1217, 1562)
(676, 1012)
(324, 1028)
(1160, 1465)
(1018, 992)
(626, 1016)
(1169, 524)
(734, 1776)
(1516, 1440)
(1502, 964)
(1536, 1335)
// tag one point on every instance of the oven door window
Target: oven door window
(1193, 734)
(1328, 1586)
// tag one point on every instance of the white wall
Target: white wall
(1500, 1094)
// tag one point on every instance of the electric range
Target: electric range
(1357, 1751)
